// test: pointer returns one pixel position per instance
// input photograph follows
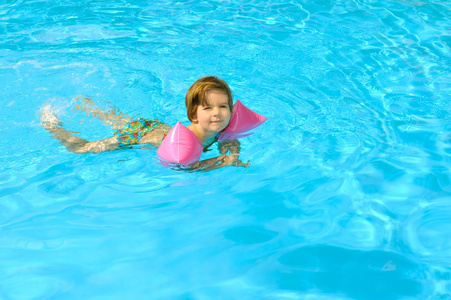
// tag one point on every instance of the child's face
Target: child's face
(215, 116)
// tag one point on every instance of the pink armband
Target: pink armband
(181, 146)
(243, 119)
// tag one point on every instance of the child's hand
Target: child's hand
(232, 160)
(217, 162)
(207, 163)
(239, 163)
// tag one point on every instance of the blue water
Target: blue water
(349, 191)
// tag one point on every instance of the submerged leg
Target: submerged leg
(50, 122)
(72, 142)
(112, 117)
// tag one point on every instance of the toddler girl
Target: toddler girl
(209, 108)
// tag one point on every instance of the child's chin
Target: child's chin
(218, 127)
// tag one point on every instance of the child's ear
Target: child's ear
(194, 118)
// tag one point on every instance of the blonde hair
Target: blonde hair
(197, 93)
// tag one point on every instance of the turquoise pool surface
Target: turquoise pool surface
(349, 191)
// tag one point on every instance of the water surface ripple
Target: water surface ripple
(349, 190)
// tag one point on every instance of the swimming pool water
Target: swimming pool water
(349, 190)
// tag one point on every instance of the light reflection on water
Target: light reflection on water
(348, 192)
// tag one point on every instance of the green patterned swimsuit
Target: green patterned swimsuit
(134, 131)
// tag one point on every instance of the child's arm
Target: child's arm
(216, 163)
(232, 159)
(233, 147)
